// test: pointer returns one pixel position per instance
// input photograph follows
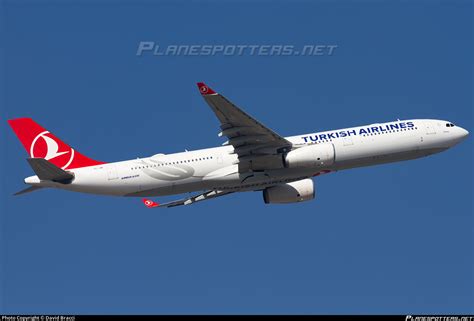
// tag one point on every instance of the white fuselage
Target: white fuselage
(217, 168)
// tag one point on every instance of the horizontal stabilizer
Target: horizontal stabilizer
(47, 171)
(28, 190)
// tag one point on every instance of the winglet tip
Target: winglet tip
(205, 89)
(148, 203)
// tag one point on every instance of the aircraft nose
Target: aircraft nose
(460, 134)
(463, 133)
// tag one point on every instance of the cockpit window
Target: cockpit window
(449, 125)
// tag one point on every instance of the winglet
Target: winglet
(150, 204)
(205, 89)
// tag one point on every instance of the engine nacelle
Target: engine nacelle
(310, 156)
(293, 192)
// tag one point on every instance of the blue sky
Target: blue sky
(396, 238)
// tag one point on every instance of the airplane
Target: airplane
(254, 158)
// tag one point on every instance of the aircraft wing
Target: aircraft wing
(250, 138)
(186, 201)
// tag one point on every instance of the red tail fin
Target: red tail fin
(40, 143)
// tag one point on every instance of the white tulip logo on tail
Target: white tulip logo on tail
(50, 150)
(204, 89)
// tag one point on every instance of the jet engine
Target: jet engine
(310, 156)
(298, 191)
